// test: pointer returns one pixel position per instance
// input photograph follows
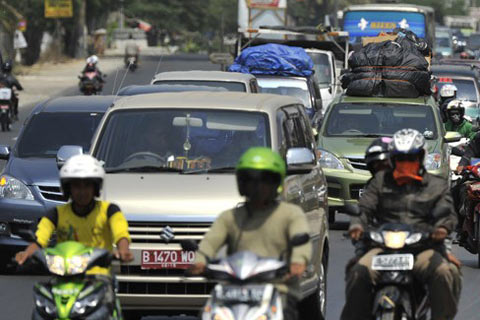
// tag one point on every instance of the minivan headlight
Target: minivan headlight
(328, 160)
(11, 188)
(433, 161)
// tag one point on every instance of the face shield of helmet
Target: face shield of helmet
(258, 186)
(455, 116)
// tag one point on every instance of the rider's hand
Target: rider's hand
(459, 169)
(197, 269)
(451, 257)
(439, 234)
(296, 270)
(22, 256)
(356, 233)
(123, 250)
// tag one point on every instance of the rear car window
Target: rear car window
(466, 87)
(229, 86)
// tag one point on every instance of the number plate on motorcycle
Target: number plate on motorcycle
(167, 259)
(240, 293)
(5, 93)
(393, 262)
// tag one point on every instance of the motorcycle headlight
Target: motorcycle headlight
(433, 161)
(11, 188)
(77, 264)
(328, 160)
(375, 236)
(413, 238)
(45, 306)
(86, 305)
(56, 264)
(395, 239)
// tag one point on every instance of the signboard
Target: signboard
(58, 9)
(267, 4)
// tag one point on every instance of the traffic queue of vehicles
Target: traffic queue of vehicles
(170, 153)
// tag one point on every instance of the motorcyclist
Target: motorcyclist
(262, 224)
(94, 223)
(407, 193)
(12, 83)
(456, 121)
(377, 155)
(91, 66)
(448, 93)
(131, 50)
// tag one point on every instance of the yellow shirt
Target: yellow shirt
(101, 228)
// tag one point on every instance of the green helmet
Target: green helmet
(263, 159)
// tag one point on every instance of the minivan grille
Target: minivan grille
(358, 163)
(150, 232)
(52, 193)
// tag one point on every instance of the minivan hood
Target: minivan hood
(345, 147)
(171, 196)
(34, 171)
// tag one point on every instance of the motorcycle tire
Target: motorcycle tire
(4, 122)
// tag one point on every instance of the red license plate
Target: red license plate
(4, 107)
(167, 259)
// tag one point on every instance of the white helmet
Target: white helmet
(448, 91)
(408, 142)
(81, 166)
(92, 59)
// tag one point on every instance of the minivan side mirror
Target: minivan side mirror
(300, 161)
(452, 136)
(4, 152)
(66, 152)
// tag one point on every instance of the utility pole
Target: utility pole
(122, 17)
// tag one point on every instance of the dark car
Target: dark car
(158, 88)
(467, 80)
(29, 184)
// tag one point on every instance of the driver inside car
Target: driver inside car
(263, 224)
(406, 193)
(155, 137)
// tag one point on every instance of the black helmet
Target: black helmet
(7, 66)
(377, 151)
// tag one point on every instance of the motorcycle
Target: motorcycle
(397, 294)
(131, 63)
(5, 108)
(245, 290)
(89, 83)
(70, 294)
(470, 239)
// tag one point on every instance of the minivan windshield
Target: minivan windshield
(46, 132)
(359, 119)
(286, 87)
(179, 140)
(229, 86)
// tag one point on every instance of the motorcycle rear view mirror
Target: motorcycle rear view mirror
(299, 239)
(352, 209)
(189, 245)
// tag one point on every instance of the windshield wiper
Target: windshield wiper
(143, 169)
(212, 170)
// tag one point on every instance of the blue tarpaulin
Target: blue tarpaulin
(274, 59)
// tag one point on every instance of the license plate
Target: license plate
(393, 262)
(167, 259)
(4, 107)
(240, 294)
(5, 93)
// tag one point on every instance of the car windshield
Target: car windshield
(46, 132)
(472, 112)
(184, 140)
(359, 119)
(442, 42)
(229, 86)
(286, 87)
(323, 71)
(474, 41)
(466, 89)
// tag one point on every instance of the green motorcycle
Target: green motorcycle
(70, 294)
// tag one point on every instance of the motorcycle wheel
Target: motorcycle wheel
(315, 305)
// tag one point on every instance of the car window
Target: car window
(253, 86)
(466, 87)
(306, 130)
(230, 86)
(180, 138)
(46, 132)
(358, 119)
(323, 70)
(295, 136)
(286, 87)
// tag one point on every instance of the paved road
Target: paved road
(15, 293)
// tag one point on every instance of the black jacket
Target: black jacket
(12, 81)
(384, 201)
(472, 150)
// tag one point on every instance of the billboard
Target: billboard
(58, 9)
(371, 23)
